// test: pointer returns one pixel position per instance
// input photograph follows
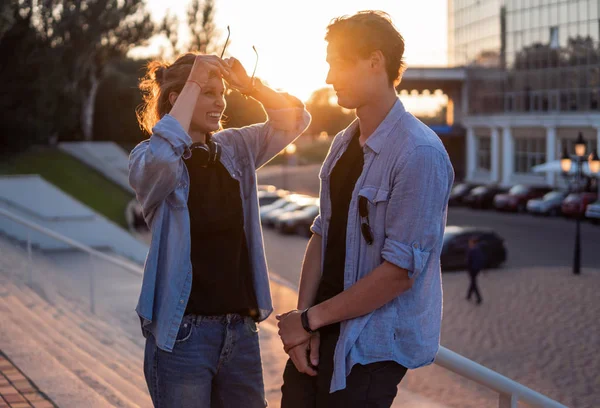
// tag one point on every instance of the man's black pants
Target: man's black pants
(368, 386)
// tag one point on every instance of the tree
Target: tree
(117, 99)
(200, 26)
(86, 35)
(64, 47)
(7, 17)
(30, 80)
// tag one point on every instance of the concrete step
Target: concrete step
(127, 366)
(45, 281)
(116, 390)
(104, 340)
(62, 386)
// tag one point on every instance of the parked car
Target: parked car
(266, 197)
(283, 201)
(549, 204)
(483, 196)
(293, 202)
(593, 212)
(459, 192)
(517, 197)
(456, 244)
(266, 187)
(298, 221)
(575, 204)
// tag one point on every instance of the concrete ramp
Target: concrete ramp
(33, 198)
(107, 158)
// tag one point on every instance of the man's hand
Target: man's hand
(301, 354)
(290, 330)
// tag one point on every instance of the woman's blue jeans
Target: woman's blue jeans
(215, 364)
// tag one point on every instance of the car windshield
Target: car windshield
(448, 236)
(516, 190)
(311, 210)
(291, 207)
(460, 188)
(572, 197)
(553, 195)
(479, 190)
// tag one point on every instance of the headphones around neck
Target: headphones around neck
(209, 153)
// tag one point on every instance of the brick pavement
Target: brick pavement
(17, 391)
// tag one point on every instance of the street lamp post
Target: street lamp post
(566, 164)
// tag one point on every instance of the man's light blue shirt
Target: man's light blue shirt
(407, 177)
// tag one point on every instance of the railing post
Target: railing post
(508, 401)
(29, 260)
(92, 283)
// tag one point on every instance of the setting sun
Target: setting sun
(289, 38)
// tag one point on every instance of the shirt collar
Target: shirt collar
(377, 140)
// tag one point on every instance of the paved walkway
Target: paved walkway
(16, 391)
(537, 326)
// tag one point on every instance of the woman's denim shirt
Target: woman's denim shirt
(160, 179)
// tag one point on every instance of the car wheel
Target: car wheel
(521, 208)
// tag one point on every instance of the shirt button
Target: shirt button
(181, 301)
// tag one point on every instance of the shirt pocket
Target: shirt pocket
(378, 198)
(177, 200)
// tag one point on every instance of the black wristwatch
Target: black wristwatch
(304, 319)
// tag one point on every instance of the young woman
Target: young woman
(205, 282)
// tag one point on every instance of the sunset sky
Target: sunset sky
(289, 36)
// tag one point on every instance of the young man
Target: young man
(370, 299)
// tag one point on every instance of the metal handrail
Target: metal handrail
(138, 271)
(510, 392)
(59, 237)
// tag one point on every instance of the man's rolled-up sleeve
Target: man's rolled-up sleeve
(416, 213)
(316, 226)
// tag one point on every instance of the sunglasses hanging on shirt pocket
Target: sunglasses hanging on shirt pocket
(365, 226)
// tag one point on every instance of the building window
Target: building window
(484, 153)
(554, 39)
(529, 152)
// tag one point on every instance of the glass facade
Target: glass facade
(528, 55)
(474, 32)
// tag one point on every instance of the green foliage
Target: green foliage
(55, 53)
(74, 178)
(116, 102)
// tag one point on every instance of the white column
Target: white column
(471, 153)
(495, 142)
(551, 154)
(508, 156)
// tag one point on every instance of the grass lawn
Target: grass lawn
(74, 178)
